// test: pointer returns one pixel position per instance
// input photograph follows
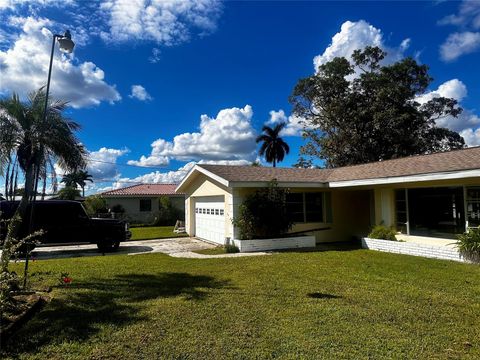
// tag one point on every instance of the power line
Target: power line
(133, 165)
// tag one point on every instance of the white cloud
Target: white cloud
(468, 15)
(294, 123)
(458, 44)
(454, 89)
(466, 121)
(24, 68)
(102, 164)
(471, 136)
(358, 35)
(164, 22)
(170, 177)
(464, 42)
(139, 92)
(156, 56)
(228, 136)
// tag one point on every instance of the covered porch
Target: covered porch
(433, 213)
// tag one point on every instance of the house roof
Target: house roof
(143, 190)
(443, 162)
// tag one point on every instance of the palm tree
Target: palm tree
(273, 146)
(77, 178)
(32, 143)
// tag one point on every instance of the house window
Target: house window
(308, 207)
(313, 207)
(295, 207)
(145, 205)
(473, 206)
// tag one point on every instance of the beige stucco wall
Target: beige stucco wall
(350, 214)
(132, 206)
(354, 210)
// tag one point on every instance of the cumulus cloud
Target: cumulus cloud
(454, 89)
(466, 121)
(24, 68)
(139, 93)
(228, 136)
(294, 123)
(357, 35)
(165, 22)
(458, 44)
(102, 163)
(471, 136)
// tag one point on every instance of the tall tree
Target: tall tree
(35, 143)
(273, 147)
(77, 178)
(363, 111)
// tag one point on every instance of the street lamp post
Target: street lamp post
(66, 45)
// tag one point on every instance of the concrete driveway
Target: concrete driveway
(176, 247)
(166, 246)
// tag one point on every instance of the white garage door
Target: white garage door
(210, 218)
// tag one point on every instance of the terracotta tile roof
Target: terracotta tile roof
(143, 190)
(465, 159)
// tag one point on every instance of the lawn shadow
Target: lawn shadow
(113, 302)
(40, 254)
(319, 295)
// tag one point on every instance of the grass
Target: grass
(355, 304)
(212, 251)
(154, 232)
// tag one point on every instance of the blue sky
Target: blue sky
(158, 86)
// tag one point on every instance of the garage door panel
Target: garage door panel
(210, 218)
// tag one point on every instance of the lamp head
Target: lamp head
(66, 42)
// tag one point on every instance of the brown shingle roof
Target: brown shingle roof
(143, 190)
(457, 160)
(260, 173)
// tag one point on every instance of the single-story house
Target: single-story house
(435, 195)
(141, 202)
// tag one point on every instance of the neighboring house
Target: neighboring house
(141, 202)
(436, 195)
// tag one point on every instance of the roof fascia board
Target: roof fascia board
(410, 178)
(204, 172)
(246, 184)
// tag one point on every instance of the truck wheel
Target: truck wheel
(108, 245)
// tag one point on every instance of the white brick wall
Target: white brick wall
(415, 249)
(275, 244)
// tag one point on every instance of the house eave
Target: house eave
(450, 175)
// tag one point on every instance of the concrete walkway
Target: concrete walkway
(175, 247)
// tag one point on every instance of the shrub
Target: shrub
(68, 193)
(95, 205)
(118, 209)
(167, 214)
(469, 244)
(231, 249)
(382, 232)
(263, 214)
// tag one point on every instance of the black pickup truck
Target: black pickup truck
(66, 222)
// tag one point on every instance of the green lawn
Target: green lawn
(154, 232)
(355, 304)
(218, 250)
